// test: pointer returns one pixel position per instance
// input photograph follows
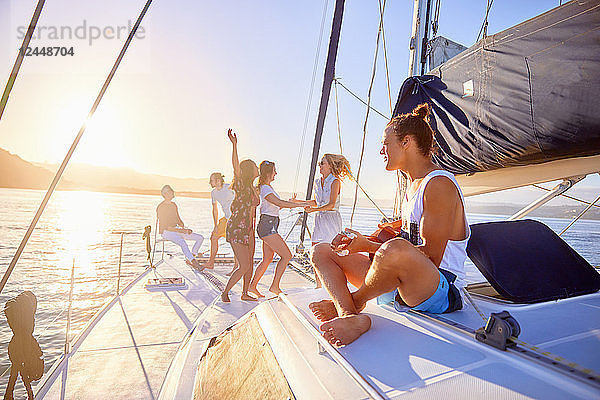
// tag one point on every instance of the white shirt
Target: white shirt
(323, 194)
(266, 207)
(455, 253)
(223, 196)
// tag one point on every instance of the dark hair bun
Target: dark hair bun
(422, 111)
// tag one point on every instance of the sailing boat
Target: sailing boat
(181, 343)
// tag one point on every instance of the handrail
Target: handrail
(69, 309)
(337, 357)
(119, 272)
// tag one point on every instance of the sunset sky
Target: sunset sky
(201, 67)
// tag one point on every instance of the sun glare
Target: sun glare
(103, 140)
(82, 223)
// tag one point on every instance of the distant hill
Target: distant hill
(20, 174)
(126, 178)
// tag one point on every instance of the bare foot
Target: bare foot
(209, 265)
(225, 297)
(344, 330)
(196, 265)
(324, 310)
(256, 292)
(275, 290)
(247, 297)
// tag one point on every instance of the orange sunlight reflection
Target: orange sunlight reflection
(82, 223)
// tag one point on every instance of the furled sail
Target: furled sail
(518, 101)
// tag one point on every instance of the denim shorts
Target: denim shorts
(445, 299)
(267, 225)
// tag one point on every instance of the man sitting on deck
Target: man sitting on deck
(420, 271)
(172, 228)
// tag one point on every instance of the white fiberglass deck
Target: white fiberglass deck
(126, 353)
(127, 349)
(406, 355)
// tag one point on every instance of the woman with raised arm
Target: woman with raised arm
(328, 221)
(240, 227)
(270, 203)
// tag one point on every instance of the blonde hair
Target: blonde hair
(340, 167)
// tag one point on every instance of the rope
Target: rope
(17, 66)
(337, 80)
(385, 57)
(579, 216)
(337, 115)
(362, 150)
(310, 94)
(62, 167)
(485, 20)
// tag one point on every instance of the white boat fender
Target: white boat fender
(500, 331)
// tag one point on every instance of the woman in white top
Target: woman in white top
(328, 221)
(270, 203)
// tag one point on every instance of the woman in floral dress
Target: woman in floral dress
(240, 227)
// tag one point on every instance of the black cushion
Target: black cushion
(526, 262)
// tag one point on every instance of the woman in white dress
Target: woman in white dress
(328, 220)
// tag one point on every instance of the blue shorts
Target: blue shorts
(445, 299)
(267, 225)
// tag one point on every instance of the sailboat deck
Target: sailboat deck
(406, 355)
(128, 347)
(128, 350)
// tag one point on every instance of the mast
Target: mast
(327, 80)
(418, 41)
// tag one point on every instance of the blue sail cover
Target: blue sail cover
(527, 95)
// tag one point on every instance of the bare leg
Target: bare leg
(277, 243)
(398, 264)
(335, 271)
(242, 253)
(214, 248)
(249, 271)
(268, 254)
(236, 265)
(318, 284)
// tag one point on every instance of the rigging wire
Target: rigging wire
(337, 114)
(385, 57)
(357, 97)
(310, 94)
(580, 215)
(62, 167)
(401, 179)
(567, 196)
(484, 26)
(362, 150)
(17, 66)
(385, 217)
